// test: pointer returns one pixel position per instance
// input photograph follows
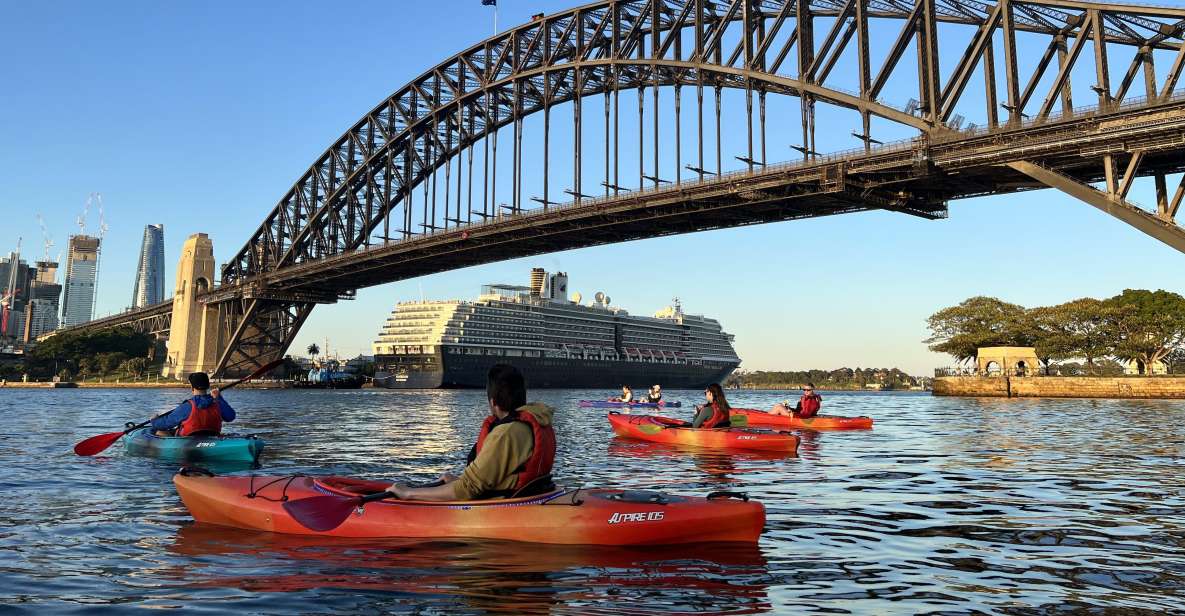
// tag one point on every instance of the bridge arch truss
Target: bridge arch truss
(427, 160)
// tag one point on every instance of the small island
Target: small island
(1131, 345)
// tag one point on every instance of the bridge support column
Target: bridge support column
(193, 337)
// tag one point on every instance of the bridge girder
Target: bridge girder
(615, 45)
(367, 181)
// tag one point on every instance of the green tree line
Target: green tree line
(1136, 325)
(94, 354)
(841, 378)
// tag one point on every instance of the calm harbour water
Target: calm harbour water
(948, 505)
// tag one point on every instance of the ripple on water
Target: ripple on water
(947, 506)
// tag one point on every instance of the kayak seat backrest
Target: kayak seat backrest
(540, 485)
(206, 433)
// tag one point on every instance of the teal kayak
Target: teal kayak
(223, 448)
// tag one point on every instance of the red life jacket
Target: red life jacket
(719, 418)
(208, 419)
(542, 450)
(808, 406)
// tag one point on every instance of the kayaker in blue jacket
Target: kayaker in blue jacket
(201, 415)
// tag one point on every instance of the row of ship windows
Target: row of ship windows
(416, 319)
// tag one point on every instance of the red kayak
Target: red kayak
(818, 422)
(675, 432)
(579, 517)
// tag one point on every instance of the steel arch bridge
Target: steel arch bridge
(419, 185)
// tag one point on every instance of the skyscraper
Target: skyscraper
(15, 277)
(150, 273)
(78, 302)
(41, 313)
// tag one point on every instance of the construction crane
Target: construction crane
(8, 299)
(81, 220)
(45, 239)
(97, 198)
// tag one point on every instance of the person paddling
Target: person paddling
(627, 395)
(655, 395)
(201, 415)
(515, 448)
(714, 414)
(807, 407)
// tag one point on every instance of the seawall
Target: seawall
(1166, 387)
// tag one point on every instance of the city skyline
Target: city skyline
(852, 290)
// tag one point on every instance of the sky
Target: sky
(201, 115)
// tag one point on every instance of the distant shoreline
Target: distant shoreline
(832, 389)
(157, 385)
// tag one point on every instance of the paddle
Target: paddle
(96, 444)
(325, 513)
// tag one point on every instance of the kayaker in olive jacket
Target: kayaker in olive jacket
(514, 453)
(201, 415)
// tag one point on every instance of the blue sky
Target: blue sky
(201, 115)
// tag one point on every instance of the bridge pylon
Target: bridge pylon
(193, 337)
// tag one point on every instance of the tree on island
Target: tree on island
(1045, 328)
(1175, 360)
(1146, 325)
(1137, 325)
(977, 322)
(1086, 324)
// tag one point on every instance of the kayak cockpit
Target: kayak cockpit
(349, 486)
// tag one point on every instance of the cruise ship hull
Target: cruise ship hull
(469, 371)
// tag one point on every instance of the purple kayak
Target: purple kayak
(606, 404)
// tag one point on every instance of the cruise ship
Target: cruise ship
(557, 341)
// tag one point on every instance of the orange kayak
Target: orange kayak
(675, 432)
(578, 517)
(818, 422)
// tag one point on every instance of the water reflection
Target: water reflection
(948, 506)
(478, 576)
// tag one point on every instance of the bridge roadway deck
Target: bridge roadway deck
(916, 177)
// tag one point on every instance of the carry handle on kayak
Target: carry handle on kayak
(728, 494)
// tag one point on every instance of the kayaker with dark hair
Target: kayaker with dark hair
(201, 415)
(807, 407)
(514, 453)
(627, 395)
(714, 414)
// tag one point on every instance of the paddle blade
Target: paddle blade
(95, 444)
(321, 513)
